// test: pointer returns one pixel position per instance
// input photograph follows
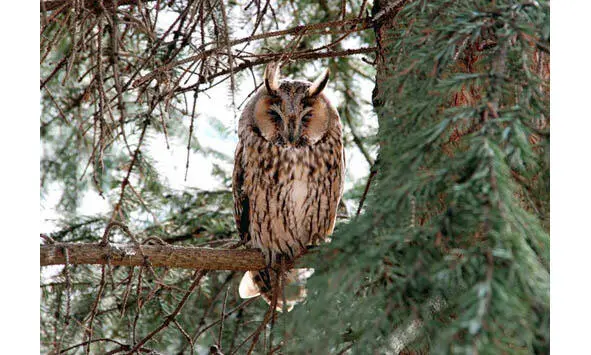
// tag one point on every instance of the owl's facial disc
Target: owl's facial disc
(291, 119)
(292, 114)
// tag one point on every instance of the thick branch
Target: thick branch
(159, 255)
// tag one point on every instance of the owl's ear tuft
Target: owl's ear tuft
(272, 78)
(319, 84)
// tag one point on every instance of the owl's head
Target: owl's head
(292, 113)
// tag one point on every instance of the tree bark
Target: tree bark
(158, 255)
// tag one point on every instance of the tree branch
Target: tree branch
(158, 255)
(410, 331)
(270, 57)
(49, 5)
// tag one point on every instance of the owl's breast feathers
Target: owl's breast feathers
(286, 198)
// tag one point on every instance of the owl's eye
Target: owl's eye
(275, 117)
(306, 118)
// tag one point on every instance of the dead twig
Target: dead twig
(196, 279)
(372, 174)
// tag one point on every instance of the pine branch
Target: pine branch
(159, 255)
(50, 5)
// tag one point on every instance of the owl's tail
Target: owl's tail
(262, 283)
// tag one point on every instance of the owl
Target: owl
(288, 175)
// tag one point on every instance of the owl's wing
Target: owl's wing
(336, 186)
(241, 205)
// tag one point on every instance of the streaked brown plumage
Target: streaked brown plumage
(288, 169)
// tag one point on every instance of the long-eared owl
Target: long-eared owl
(288, 172)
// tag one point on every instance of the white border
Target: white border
(570, 176)
(19, 166)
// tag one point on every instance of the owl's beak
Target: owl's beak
(292, 131)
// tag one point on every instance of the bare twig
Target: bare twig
(90, 341)
(196, 279)
(222, 317)
(125, 181)
(271, 57)
(365, 24)
(372, 173)
(89, 328)
(185, 334)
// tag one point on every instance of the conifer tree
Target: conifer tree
(451, 254)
